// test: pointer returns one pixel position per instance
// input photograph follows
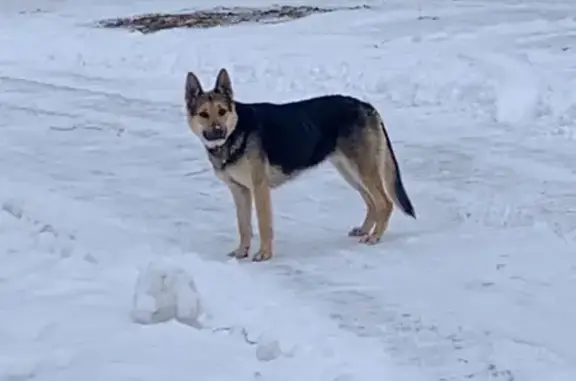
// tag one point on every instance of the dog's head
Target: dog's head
(211, 114)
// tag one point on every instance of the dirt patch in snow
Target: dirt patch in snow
(154, 22)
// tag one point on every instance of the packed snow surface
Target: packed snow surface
(114, 231)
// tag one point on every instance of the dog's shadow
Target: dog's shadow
(298, 247)
(300, 242)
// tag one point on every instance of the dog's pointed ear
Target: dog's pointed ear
(193, 90)
(224, 84)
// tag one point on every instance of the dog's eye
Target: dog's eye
(204, 115)
(221, 112)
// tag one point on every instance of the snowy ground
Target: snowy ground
(106, 200)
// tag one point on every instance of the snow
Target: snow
(114, 232)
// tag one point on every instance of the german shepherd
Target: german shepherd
(255, 147)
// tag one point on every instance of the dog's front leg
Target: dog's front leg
(262, 200)
(243, 202)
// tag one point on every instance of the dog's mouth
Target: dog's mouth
(214, 134)
(214, 137)
(214, 143)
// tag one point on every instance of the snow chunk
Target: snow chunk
(268, 349)
(164, 292)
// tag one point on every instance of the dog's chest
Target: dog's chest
(241, 172)
(238, 172)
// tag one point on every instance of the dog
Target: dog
(256, 147)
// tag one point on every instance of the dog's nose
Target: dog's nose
(214, 133)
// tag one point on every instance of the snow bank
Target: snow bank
(465, 72)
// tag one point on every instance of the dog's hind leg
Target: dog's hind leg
(346, 170)
(362, 157)
(369, 172)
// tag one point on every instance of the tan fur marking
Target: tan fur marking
(382, 205)
(241, 172)
(369, 170)
(243, 202)
(369, 220)
(262, 201)
(388, 170)
(347, 171)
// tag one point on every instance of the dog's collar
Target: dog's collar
(229, 152)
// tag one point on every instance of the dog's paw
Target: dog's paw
(262, 255)
(369, 239)
(240, 253)
(357, 232)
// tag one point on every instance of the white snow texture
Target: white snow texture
(114, 231)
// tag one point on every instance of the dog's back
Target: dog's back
(299, 135)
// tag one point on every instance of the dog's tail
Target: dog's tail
(393, 180)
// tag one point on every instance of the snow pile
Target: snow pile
(166, 292)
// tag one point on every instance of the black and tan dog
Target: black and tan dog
(255, 147)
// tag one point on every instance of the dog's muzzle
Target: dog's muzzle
(214, 133)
